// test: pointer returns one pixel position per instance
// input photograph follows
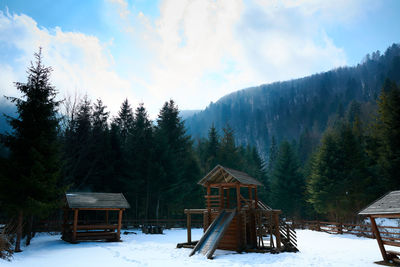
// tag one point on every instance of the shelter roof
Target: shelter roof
(222, 174)
(388, 204)
(96, 200)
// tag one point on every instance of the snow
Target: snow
(316, 249)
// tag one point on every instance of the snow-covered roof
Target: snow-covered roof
(388, 204)
(222, 174)
(96, 200)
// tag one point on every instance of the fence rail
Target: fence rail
(390, 233)
(56, 225)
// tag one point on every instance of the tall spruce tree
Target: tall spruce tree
(177, 165)
(213, 146)
(287, 183)
(30, 188)
(387, 135)
(141, 149)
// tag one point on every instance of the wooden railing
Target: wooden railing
(390, 234)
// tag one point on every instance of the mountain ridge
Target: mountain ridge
(286, 109)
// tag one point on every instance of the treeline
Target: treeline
(354, 164)
(154, 163)
(307, 105)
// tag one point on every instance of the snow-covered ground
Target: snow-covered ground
(316, 249)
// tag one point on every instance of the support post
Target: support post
(238, 196)
(255, 198)
(208, 204)
(75, 225)
(106, 216)
(250, 193)
(277, 233)
(65, 222)
(119, 224)
(227, 198)
(189, 227)
(221, 197)
(378, 238)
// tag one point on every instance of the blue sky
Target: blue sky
(191, 51)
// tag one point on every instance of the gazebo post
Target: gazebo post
(378, 238)
(119, 224)
(75, 226)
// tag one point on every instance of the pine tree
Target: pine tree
(31, 187)
(387, 135)
(273, 154)
(287, 185)
(177, 165)
(101, 177)
(228, 155)
(212, 148)
(124, 121)
(141, 149)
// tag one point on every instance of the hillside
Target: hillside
(288, 109)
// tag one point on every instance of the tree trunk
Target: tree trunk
(158, 206)
(29, 231)
(19, 231)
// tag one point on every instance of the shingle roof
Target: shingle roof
(96, 200)
(222, 174)
(388, 204)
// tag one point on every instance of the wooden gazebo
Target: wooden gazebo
(387, 206)
(235, 219)
(75, 228)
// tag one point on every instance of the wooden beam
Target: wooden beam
(255, 198)
(378, 238)
(277, 233)
(221, 197)
(75, 225)
(390, 216)
(194, 211)
(208, 205)
(99, 209)
(189, 227)
(106, 216)
(231, 185)
(227, 198)
(119, 224)
(238, 196)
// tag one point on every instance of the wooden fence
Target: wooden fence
(55, 225)
(389, 233)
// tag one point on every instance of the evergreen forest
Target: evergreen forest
(324, 146)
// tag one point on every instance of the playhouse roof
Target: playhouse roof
(388, 204)
(85, 200)
(222, 174)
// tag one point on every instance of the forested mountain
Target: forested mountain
(301, 107)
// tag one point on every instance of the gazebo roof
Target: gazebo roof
(388, 204)
(222, 174)
(96, 200)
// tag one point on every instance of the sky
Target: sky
(191, 51)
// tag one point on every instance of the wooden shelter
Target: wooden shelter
(235, 219)
(75, 228)
(387, 206)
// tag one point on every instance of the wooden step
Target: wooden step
(393, 252)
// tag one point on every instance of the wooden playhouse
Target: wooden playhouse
(235, 219)
(79, 210)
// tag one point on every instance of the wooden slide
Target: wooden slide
(210, 240)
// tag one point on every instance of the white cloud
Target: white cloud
(80, 62)
(204, 49)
